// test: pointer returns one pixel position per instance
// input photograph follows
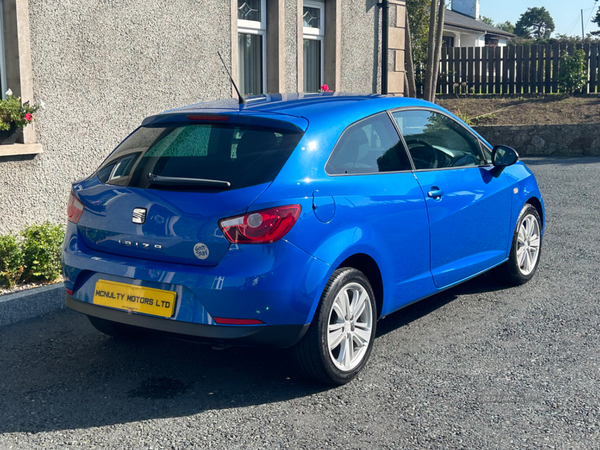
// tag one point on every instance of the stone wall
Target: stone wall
(546, 140)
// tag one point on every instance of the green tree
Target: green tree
(535, 22)
(506, 26)
(596, 20)
(562, 39)
(486, 20)
(424, 34)
(418, 19)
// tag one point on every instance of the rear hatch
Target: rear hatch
(161, 193)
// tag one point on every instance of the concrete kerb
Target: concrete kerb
(31, 303)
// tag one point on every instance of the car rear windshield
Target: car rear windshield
(199, 156)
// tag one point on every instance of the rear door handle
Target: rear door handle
(435, 193)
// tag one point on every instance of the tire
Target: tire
(117, 330)
(339, 341)
(525, 250)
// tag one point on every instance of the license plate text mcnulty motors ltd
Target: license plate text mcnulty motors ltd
(134, 298)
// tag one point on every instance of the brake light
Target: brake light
(74, 209)
(209, 118)
(227, 321)
(260, 227)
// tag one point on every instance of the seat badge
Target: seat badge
(139, 215)
(201, 250)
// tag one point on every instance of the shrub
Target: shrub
(464, 117)
(41, 252)
(572, 72)
(11, 260)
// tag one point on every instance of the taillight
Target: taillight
(74, 209)
(260, 227)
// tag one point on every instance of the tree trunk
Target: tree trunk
(430, 52)
(409, 64)
(438, 48)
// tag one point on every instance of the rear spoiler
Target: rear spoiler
(264, 120)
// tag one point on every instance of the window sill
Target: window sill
(20, 149)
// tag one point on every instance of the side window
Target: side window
(436, 141)
(369, 146)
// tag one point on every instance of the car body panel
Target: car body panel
(374, 213)
(469, 223)
(527, 189)
(175, 221)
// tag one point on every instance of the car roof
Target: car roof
(313, 107)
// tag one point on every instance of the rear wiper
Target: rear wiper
(177, 181)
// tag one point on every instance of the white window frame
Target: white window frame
(260, 28)
(2, 56)
(317, 34)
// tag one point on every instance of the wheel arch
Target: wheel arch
(367, 265)
(537, 204)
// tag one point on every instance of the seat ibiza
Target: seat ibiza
(294, 221)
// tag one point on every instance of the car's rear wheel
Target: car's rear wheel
(526, 249)
(117, 330)
(340, 339)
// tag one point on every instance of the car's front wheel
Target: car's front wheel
(340, 339)
(525, 250)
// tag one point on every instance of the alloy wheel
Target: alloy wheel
(350, 326)
(528, 244)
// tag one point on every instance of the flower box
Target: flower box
(9, 136)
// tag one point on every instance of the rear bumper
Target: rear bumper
(275, 283)
(278, 336)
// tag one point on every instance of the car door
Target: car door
(468, 208)
(380, 207)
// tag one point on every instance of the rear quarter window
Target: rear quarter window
(369, 146)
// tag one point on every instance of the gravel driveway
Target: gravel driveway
(478, 367)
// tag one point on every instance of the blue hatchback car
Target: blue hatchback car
(294, 221)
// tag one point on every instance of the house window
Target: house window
(491, 41)
(448, 41)
(252, 46)
(314, 34)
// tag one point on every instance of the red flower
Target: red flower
(325, 88)
(28, 117)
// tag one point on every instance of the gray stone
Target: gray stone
(538, 141)
(31, 303)
(555, 140)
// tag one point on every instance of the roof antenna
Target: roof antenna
(242, 100)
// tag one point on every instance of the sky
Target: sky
(566, 14)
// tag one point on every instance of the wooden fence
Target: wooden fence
(525, 69)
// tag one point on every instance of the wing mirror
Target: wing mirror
(503, 156)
